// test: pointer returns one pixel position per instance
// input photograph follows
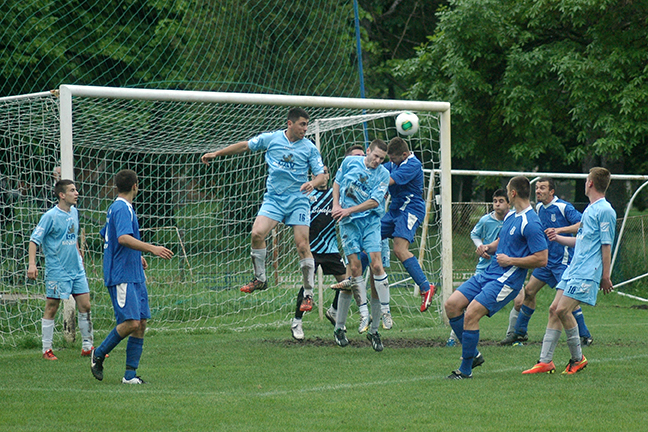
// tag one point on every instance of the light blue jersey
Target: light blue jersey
(487, 230)
(598, 227)
(56, 234)
(288, 162)
(558, 214)
(358, 184)
(121, 264)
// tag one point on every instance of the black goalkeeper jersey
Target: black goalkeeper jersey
(323, 239)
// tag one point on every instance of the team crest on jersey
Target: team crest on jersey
(512, 231)
(553, 218)
(287, 162)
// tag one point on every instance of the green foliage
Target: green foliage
(553, 85)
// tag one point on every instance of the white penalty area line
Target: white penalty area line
(154, 390)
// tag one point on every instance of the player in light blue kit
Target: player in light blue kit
(57, 235)
(358, 204)
(289, 157)
(559, 217)
(588, 272)
(521, 245)
(488, 227)
(123, 269)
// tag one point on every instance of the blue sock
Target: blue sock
(111, 341)
(522, 324)
(468, 350)
(133, 354)
(583, 331)
(457, 326)
(364, 261)
(414, 269)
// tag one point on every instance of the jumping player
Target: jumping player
(289, 156)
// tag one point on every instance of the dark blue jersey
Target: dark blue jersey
(323, 239)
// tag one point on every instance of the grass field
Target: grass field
(263, 380)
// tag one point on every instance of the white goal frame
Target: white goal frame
(67, 92)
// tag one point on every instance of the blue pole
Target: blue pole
(360, 71)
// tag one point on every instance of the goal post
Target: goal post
(324, 109)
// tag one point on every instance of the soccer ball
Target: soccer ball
(407, 123)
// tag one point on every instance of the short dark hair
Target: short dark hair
(124, 180)
(501, 193)
(397, 145)
(354, 147)
(295, 113)
(521, 185)
(601, 178)
(61, 187)
(552, 185)
(378, 143)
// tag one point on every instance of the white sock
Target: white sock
(258, 262)
(85, 326)
(376, 314)
(47, 326)
(512, 320)
(362, 290)
(382, 288)
(549, 343)
(344, 301)
(307, 266)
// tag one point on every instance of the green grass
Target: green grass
(262, 380)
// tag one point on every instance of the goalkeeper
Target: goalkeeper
(289, 156)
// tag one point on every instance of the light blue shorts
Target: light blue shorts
(490, 293)
(550, 276)
(63, 289)
(583, 290)
(130, 301)
(291, 209)
(361, 235)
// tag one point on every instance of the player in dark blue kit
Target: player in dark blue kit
(521, 245)
(123, 268)
(557, 217)
(406, 212)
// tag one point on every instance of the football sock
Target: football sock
(300, 296)
(382, 288)
(364, 261)
(258, 262)
(362, 289)
(513, 316)
(580, 320)
(414, 269)
(522, 323)
(108, 344)
(307, 266)
(457, 326)
(334, 305)
(133, 353)
(549, 343)
(574, 344)
(47, 327)
(375, 315)
(344, 302)
(85, 326)
(469, 343)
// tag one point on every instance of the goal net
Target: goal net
(203, 213)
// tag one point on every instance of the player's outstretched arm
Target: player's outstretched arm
(32, 270)
(239, 147)
(131, 242)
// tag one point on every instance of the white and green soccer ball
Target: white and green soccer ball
(407, 123)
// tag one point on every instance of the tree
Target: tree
(539, 83)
